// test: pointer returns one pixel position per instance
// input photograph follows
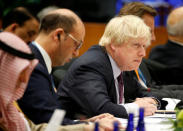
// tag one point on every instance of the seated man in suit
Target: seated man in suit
(153, 75)
(22, 23)
(18, 61)
(171, 53)
(55, 44)
(94, 83)
(61, 34)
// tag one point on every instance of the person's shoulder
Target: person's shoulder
(96, 49)
(39, 79)
(157, 50)
(32, 47)
(158, 47)
(40, 67)
(95, 54)
(40, 71)
(94, 59)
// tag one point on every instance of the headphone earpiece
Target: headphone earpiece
(58, 37)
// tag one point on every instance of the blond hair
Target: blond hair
(121, 29)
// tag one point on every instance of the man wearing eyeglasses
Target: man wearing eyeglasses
(59, 39)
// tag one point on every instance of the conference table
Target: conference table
(160, 121)
(157, 122)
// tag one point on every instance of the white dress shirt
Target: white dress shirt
(45, 55)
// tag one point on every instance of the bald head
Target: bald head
(66, 12)
(60, 18)
(175, 23)
(61, 35)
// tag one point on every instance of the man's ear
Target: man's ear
(112, 47)
(13, 27)
(58, 33)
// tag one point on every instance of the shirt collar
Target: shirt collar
(115, 68)
(45, 55)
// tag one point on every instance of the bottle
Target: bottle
(96, 126)
(116, 128)
(130, 125)
(140, 126)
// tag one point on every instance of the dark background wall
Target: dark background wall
(92, 10)
(88, 10)
(96, 13)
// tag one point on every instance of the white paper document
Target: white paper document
(156, 122)
(171, 103)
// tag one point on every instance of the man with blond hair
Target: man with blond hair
(94, 83)
(155, 77)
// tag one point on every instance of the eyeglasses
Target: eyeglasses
(78, 46)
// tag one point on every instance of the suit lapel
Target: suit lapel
(110, 82)
(42, 63)
(38, 55)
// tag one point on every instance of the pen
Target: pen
(156, 105)
(165, 112)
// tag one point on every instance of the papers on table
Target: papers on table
(156, 122)
(160, 120)
(151, 124)
(171, 103)
(156, 118)
(163, 116)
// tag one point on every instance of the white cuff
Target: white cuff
(132, 108)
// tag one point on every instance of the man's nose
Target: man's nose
(153, 37)
(142, 52)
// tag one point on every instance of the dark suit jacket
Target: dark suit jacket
(40, 99)
(170, 54)
(154, 72)
(88, 87)
(158, 79)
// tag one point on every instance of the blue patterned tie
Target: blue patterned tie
(141, 76)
